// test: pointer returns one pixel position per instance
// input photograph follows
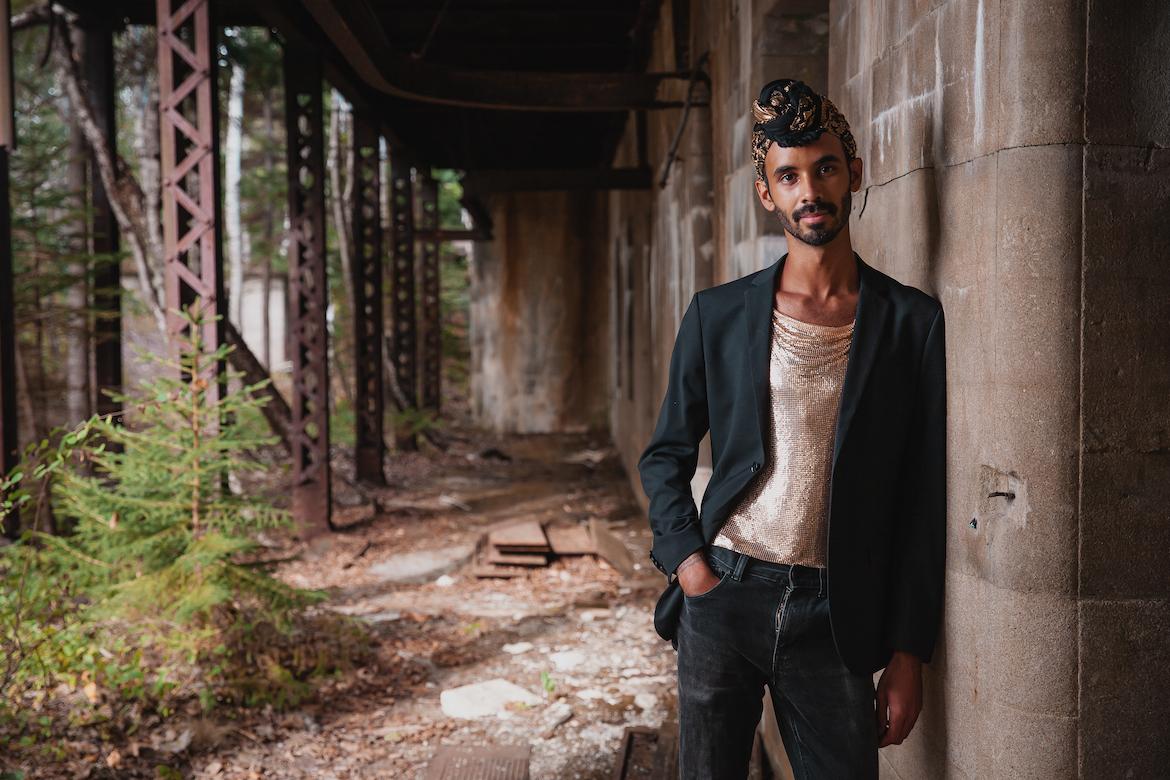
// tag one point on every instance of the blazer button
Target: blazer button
(755, 467)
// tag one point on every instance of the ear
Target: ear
(856, 168)
(765, 195)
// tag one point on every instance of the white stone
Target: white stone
(515, 648)
(422, 565)
(568, 659)
(445, 581)
(646, 701)
(489, 697)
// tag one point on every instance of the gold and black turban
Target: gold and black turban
(790, 113)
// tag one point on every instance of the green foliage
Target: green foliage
(168, 536)
(152, 596)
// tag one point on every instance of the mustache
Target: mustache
(823, 208)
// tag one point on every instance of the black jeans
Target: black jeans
(768, 623)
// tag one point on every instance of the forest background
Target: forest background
(102, 627)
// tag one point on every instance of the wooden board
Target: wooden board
(516, 559)
(611, 548)
(526, 536)
(570, 539)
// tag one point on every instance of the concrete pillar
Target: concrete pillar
(540, 314)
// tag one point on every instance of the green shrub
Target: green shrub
(151, 596)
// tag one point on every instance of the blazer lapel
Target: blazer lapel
(872, 308)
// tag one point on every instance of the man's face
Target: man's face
(809, 188)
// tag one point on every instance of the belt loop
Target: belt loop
(791, 580)
(740, 564)
(820, 581)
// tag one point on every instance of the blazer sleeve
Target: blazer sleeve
(668, 463)
(915, 603)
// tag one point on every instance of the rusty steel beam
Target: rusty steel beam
(356, 32)
(451, 235)
(308, 289)
(567, 179)
(403, 311)
(432, 340)
(107, 282)
(369, 446)
(190, 174)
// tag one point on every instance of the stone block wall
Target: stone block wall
(1015, 167)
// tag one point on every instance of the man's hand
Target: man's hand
(694, 574)
(899, 690)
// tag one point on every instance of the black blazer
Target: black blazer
(887, 496)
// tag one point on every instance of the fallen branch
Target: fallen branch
(276, 411)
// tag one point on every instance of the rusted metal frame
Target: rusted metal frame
(451, 235)
(107, 281)
(356, 33)
(537, 180)
(190, 173)
(295, 27)
(403, 311)
(10, 522)
(432, 340)
(369, 446)
(308, 290)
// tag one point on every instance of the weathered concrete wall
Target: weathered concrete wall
(1015, 166)
(540, 314)
(1124, 437)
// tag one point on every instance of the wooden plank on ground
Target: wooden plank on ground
(611, 548)
(516, 559)
(525, 536)
(570, 540)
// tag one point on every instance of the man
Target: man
(818, 556)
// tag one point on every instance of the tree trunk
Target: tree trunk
(340, 220)
(76, 338)
(269, 232)
(233, 149)
(126, 196)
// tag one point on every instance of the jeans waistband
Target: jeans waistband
(740, 565)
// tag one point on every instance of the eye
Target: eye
(785, 176)
(828, 168)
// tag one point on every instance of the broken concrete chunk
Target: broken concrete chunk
(490, 697)
(567, 660)
(422, 565)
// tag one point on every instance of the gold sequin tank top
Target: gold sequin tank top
(783, 515)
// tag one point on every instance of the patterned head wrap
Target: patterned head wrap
(791, 114)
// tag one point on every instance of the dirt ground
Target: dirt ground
(576, 634)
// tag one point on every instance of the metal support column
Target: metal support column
(192, 223)
(403, 314)
(8, 421)
(432, 341)
(367, 306)
(308, 290)
(107, 281)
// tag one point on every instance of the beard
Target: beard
(818, 235)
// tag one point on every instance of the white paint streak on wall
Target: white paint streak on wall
(978, 88)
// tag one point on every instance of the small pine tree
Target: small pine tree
(156, 531)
